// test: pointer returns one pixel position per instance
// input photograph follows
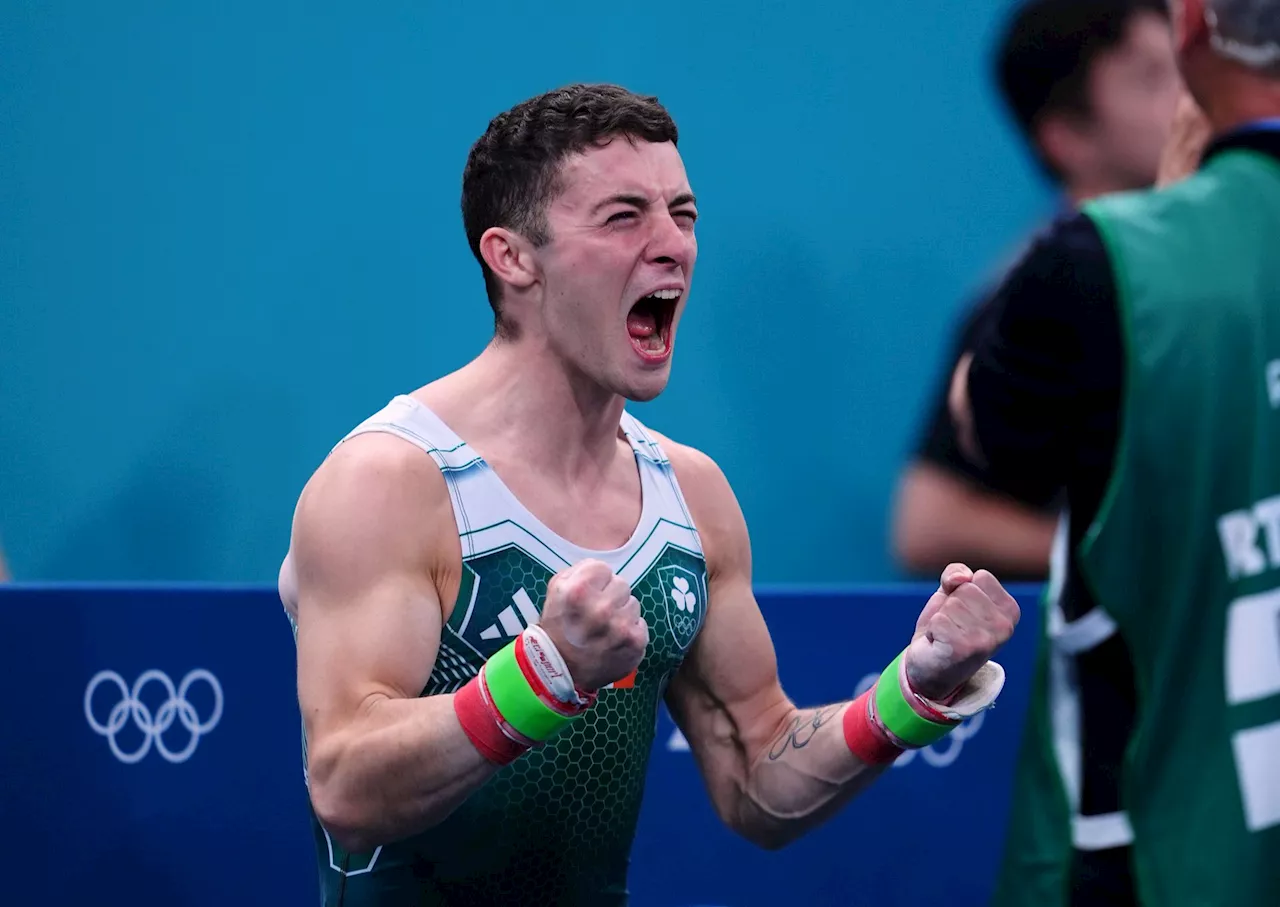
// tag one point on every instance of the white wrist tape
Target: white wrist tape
(549, 665)
(977, 695)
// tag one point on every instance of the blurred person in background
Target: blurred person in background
(1091, 85)
(1133, 364)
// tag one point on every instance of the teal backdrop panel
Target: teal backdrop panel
(230, 231)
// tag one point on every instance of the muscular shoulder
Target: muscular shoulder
(376, 505)
(713, 506)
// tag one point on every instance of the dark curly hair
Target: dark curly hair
(512, 170)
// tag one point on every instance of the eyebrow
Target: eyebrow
(639, 201)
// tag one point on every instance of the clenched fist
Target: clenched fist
(595, 622)
(964, 623)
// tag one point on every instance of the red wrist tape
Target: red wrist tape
(482, 724)
(540, 688)
(924, 710)
(866, 739)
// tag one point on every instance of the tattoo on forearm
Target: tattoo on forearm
(801, 730)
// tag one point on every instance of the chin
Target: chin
(645, 389)
(645, 395)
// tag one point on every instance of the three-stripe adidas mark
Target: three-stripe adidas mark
(509, 625)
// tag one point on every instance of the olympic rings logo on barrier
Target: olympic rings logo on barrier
(940, 754)
(153, 728)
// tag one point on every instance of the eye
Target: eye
(622, 216)
(688, 214)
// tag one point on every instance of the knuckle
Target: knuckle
(572, 585)
(619, 594)
(584, 573)
(986, 581)
(598, 570)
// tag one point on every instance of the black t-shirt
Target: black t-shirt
(1047, 373)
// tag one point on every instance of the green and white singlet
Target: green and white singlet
(556, 826)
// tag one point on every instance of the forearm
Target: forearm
(403, 766)
(819, 759)
(997, 532)
(805, 776)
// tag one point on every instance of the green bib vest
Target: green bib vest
(1183, 557)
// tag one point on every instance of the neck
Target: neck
(520, 396)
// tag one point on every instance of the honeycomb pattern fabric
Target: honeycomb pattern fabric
(556, 826)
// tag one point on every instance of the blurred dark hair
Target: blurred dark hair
(1047, 51)
(512, 170)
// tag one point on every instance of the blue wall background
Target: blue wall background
(229, 231)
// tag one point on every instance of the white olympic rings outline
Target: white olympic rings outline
(930, 754)
(153, 727)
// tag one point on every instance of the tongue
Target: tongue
(641, 323)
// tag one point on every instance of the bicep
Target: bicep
(368, 613)
(361, 645)
(726, 696)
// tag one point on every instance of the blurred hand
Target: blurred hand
(1188, 137)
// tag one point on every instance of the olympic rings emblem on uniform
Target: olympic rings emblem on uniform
(945, 751)
(175, 707)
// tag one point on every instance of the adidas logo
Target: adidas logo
(509, 625)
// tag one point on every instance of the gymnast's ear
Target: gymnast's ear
(510, 257)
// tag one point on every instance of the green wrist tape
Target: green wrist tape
(897, 715)
(516, 700)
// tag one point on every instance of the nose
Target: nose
(671, 245)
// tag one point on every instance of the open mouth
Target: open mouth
(649, 324)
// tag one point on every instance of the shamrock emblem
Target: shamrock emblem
(680, 594)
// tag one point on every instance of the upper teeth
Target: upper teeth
(666, 294)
